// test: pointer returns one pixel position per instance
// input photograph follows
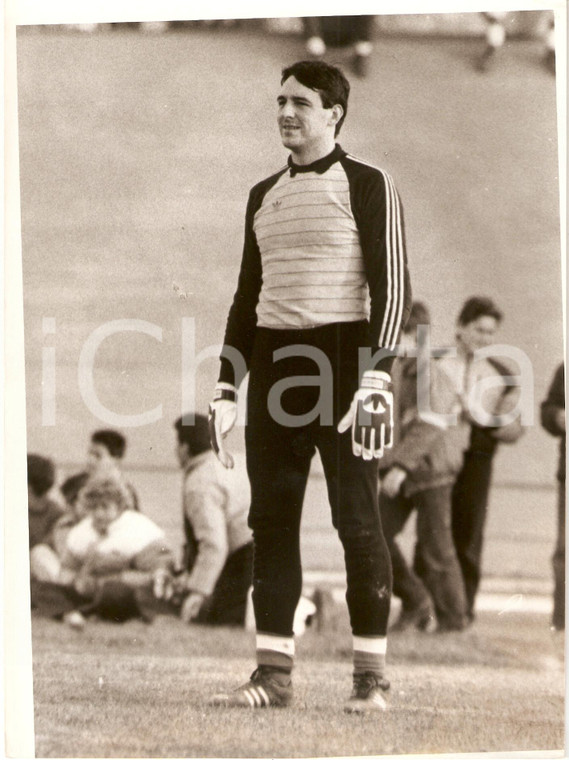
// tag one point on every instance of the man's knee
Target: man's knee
(366, 555)
(360, 534)
(269, 527)
(44, 563)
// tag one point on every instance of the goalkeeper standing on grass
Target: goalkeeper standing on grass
(321, 235)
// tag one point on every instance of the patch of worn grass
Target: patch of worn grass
(140, 691)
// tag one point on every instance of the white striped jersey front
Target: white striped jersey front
(324, 244)
(313, 269)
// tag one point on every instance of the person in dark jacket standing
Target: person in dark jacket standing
(322, 235)
(478, 321)
(553, 420)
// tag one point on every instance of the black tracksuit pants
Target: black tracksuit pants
(279, 452)
(469, 509)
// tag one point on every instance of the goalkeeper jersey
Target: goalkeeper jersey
(324, 243)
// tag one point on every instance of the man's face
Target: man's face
(304, 123)
(478, 333)
(99, 460)
(103, 513)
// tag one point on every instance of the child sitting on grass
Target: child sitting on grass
(113, 561)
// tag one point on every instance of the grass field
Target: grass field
(138, 690)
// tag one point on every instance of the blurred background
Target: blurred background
(138, 146)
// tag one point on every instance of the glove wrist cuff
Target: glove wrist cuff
(225, 391)
(376, 379)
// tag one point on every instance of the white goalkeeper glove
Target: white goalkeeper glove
(222, 418)
(370, 416)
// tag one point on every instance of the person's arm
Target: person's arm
(76, 571)
(70, 567)
(420, 437)
(156, 556)
(88, 580)
(427, 427)
(54, 513)
(511, 431)
(204, 509)
(242, 319)
(553, 407)
(379, 216)
(152, 565)
(411, 450)
(239, 337)
(210, 528)
(493, 431)
(61, 530)
(134, 497)
(106, 564)
(141, 570)
(507, 403)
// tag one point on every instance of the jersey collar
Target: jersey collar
(319, 166)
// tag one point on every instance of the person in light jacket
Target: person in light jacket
(418, 474)
(218, 551)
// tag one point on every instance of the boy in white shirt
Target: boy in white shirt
(113, 559)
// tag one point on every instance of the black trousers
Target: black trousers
(469, 508)
(279, 452)
(436, 574)
(228, 603)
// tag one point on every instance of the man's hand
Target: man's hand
(179, 586)
(191, 606)
(163, 584)
(392, 482)
(370, 416)
(222, 418)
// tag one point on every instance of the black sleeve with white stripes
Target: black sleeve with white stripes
(379, 215)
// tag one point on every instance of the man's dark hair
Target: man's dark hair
(71, 487)
(112, 440)
(193, 433)
(41, 474)
(419, 315)
(325, 79)
(476, 307)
